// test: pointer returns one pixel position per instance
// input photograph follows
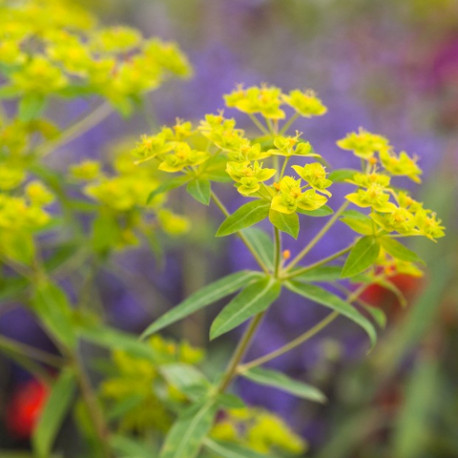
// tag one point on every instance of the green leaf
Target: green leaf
(377, 315)
(341, 175)
(254, 299)
(105, 233)
(126, 447)
(230, 401)
(230, 450)
(9, 92)
(185, 377)
(167, 185)
(17, 246)
(31, 107)
(361, 256)
(200, 189)
(245, 216)
(53, 413)
(262, 244)
(202, 298)
(50, 303)
(398, 250)
(322, 211)
(185, 438)
(281, 381)
(323, 297)
(320, 274)
(285, 223)
(393, 288)
(358, 221)
(117, 340)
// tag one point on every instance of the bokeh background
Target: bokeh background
(387, 65)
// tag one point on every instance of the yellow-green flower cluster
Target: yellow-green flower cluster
(366, 145)
(55, 47)
(392, 210)
(268, 101)
(139, 378)
(260, 431)
(25, 213)
(249, 163)
(125, 193)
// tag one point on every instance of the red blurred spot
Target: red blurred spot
(24, 408)
(380, 297)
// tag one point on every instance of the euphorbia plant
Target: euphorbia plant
(53, 50)
(284, 180)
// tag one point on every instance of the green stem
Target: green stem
(92, 404)
(240, 351)
(258, 124)
(283, 168)
(318, 236)
(75, 130)
(319, 263)
(224, 210)
(302, 338)
(11, 345)
(277, 252)
(289, 123)
(293, 344)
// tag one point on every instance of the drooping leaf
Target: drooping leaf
(53, 413)
(231, 450)
(361, 256)
(245, 216)
(281, 381)
(262, 244)
(254, 299)
(398, 250)
(377, 315)
(358, 221)
(285, 223)
(319, 212)
(200, 189)
(323, 297)
(202, 298)
(50, 303)
(185, 438)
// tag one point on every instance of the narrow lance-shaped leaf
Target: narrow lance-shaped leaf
(358, 221)
(185, 438)
(202, 298)
(245, 216)
(230, 450)
(52, 306)
(318, 213)
(53, 414)
(278, 380)
(398, 250)
(252, 300)
(361, 256)
(262, 243)
(323, 297)
(285, 223)
(168, 185)
(200, 189)
(117, 340)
